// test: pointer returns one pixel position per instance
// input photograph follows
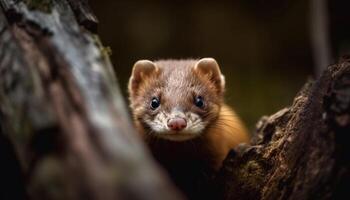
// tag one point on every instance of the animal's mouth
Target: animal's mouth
(177, 136)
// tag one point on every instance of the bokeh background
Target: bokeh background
(264, 47)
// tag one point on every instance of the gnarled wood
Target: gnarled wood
(65, 132)
(301, 152)
(61, 109)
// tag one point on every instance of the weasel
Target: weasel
(179, 110)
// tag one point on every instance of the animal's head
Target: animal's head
(176, 99)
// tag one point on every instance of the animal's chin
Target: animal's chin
(177, 137)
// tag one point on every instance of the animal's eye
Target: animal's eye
(199, 102)
(155, 103)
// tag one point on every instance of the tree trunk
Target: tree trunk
(320, 38)
(65, 129)
(301, 152)
(65, 132)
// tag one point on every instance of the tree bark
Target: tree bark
(301, 152)
(65, 132)
(62, 116)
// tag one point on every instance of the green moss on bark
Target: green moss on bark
(41, 5)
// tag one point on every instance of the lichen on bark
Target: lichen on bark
(41, 5)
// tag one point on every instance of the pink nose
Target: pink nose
(177, 124)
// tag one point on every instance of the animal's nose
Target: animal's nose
(177, 124)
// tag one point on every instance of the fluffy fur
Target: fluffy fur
(212, 130)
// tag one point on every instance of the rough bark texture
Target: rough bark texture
(65, 130)
(301, 152)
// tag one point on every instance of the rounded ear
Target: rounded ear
(141, 70)
(209, 67)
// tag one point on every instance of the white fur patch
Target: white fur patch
(194, 128)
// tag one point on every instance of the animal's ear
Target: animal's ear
(142, 69)
(209, 67)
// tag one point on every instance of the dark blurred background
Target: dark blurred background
(265, 48)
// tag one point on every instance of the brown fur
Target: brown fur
(175, 82)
